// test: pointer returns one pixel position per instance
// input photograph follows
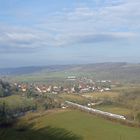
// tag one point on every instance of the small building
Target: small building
(71, 78)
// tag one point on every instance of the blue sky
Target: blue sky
(44, 32)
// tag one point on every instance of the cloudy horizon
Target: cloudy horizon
(50, 32)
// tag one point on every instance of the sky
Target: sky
(50, 32)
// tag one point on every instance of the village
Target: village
(74, 85)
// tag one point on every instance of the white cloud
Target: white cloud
(122, 17)
(111, 21)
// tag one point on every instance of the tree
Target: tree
(5, 89)
(4, 118)
(138, 117)
(76, 88)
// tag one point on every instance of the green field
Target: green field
(16, 101)
(98, 95)
(74, 98)
(45, 76)
(114, 109)
(68, 125)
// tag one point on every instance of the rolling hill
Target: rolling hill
(112, 71)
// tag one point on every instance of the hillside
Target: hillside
(68, 125)
(112, 71)
(32, 69)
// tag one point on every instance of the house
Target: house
(38, 89)
(84, 90)
(71, 78)
(72, 90)
(107, 89)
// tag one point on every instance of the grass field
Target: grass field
(68, 125)
(114, 109)
(99, 95)
(74, 98)
(44, 76)
(16, 101)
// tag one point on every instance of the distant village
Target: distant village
(77, 85)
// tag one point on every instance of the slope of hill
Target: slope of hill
(32, 69)
(111, 71)
(68, 125)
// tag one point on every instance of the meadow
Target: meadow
(115, 109)
(99, 95)
(16, 101)
(67, 125)
(74, 98)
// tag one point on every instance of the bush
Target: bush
(138, 117)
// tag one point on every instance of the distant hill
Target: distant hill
(19, 71)
(111, 71)
(32, 69)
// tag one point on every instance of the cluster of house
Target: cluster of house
(80, 87)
